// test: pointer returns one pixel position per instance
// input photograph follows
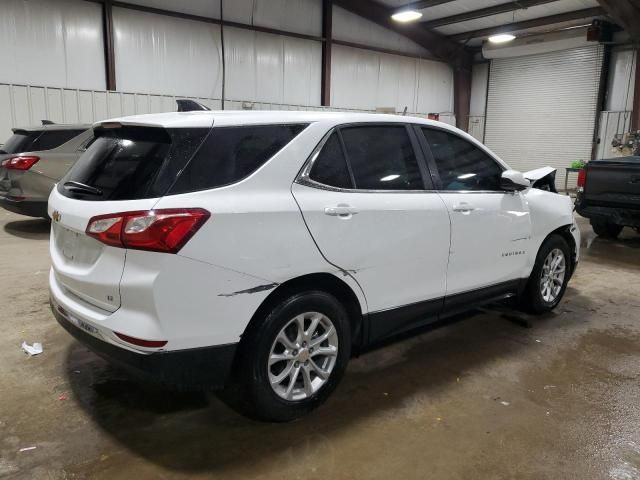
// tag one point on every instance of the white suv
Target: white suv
(257, 251)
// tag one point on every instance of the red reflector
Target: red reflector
(20, 163)
(165, 230)
(141, 343)
(582, 178)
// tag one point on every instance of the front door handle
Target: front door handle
(344, 211)
(463, 207)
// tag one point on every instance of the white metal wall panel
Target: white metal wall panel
(366, 80)
(435, 87)
(202, 8)
(22, 105)
(621, 80)
(88, 106)
(51, 42)
(542, 108)
(271, 68)
(300, 16)
(350, 27)
(166, 55)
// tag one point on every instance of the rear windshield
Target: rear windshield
(19, 142)
(143, 162)
(38, 140)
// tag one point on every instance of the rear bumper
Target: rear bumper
(204, 368)
(620, 216)
(31, 208)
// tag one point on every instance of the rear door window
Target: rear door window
(382, 157)
(130, 163)
(53, 138)
(230, 154)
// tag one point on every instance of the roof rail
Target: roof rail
(187, 105)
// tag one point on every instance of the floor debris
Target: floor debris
(35, 349)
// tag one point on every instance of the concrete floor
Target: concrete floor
(480, 398)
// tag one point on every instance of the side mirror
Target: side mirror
(513, 181)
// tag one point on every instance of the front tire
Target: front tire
(292, 360)
(548, 281)
(606, 229)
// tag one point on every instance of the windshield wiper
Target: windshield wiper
(2, 152)
(82, 188)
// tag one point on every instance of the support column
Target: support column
(327, 28)
(462, 95)
(109, 55)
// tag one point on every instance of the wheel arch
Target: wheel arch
(564, 232)
(325, 282)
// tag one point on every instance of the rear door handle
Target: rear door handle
(463, 207)
(340, 211)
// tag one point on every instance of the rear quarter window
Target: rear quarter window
(230, 154)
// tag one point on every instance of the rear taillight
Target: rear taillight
(20, 163)
(165, 230)
(582, 179)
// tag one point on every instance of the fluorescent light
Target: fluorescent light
(501, 38)
(406, 16)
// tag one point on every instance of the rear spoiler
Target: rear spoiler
(187, 105)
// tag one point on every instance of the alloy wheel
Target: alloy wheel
(302, 356)
(552, 277)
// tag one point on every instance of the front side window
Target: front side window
(330, 168)
(382, 158)
(461, 165)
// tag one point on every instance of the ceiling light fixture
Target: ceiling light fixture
(406, 16)
(502, 38)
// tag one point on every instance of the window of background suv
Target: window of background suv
(461, 165)
(37, 140)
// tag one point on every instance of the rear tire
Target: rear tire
(606, 229)
(291, 360)
(548, 280)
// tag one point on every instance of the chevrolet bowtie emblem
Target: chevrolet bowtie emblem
(56, 216)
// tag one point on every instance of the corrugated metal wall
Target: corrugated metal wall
(22, 105)
(58, 43)
(542, 108)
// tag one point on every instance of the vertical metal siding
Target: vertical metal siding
(22, 105)
(541, 109)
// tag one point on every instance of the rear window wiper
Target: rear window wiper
(82, 188)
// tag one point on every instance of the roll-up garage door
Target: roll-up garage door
(541, 109)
